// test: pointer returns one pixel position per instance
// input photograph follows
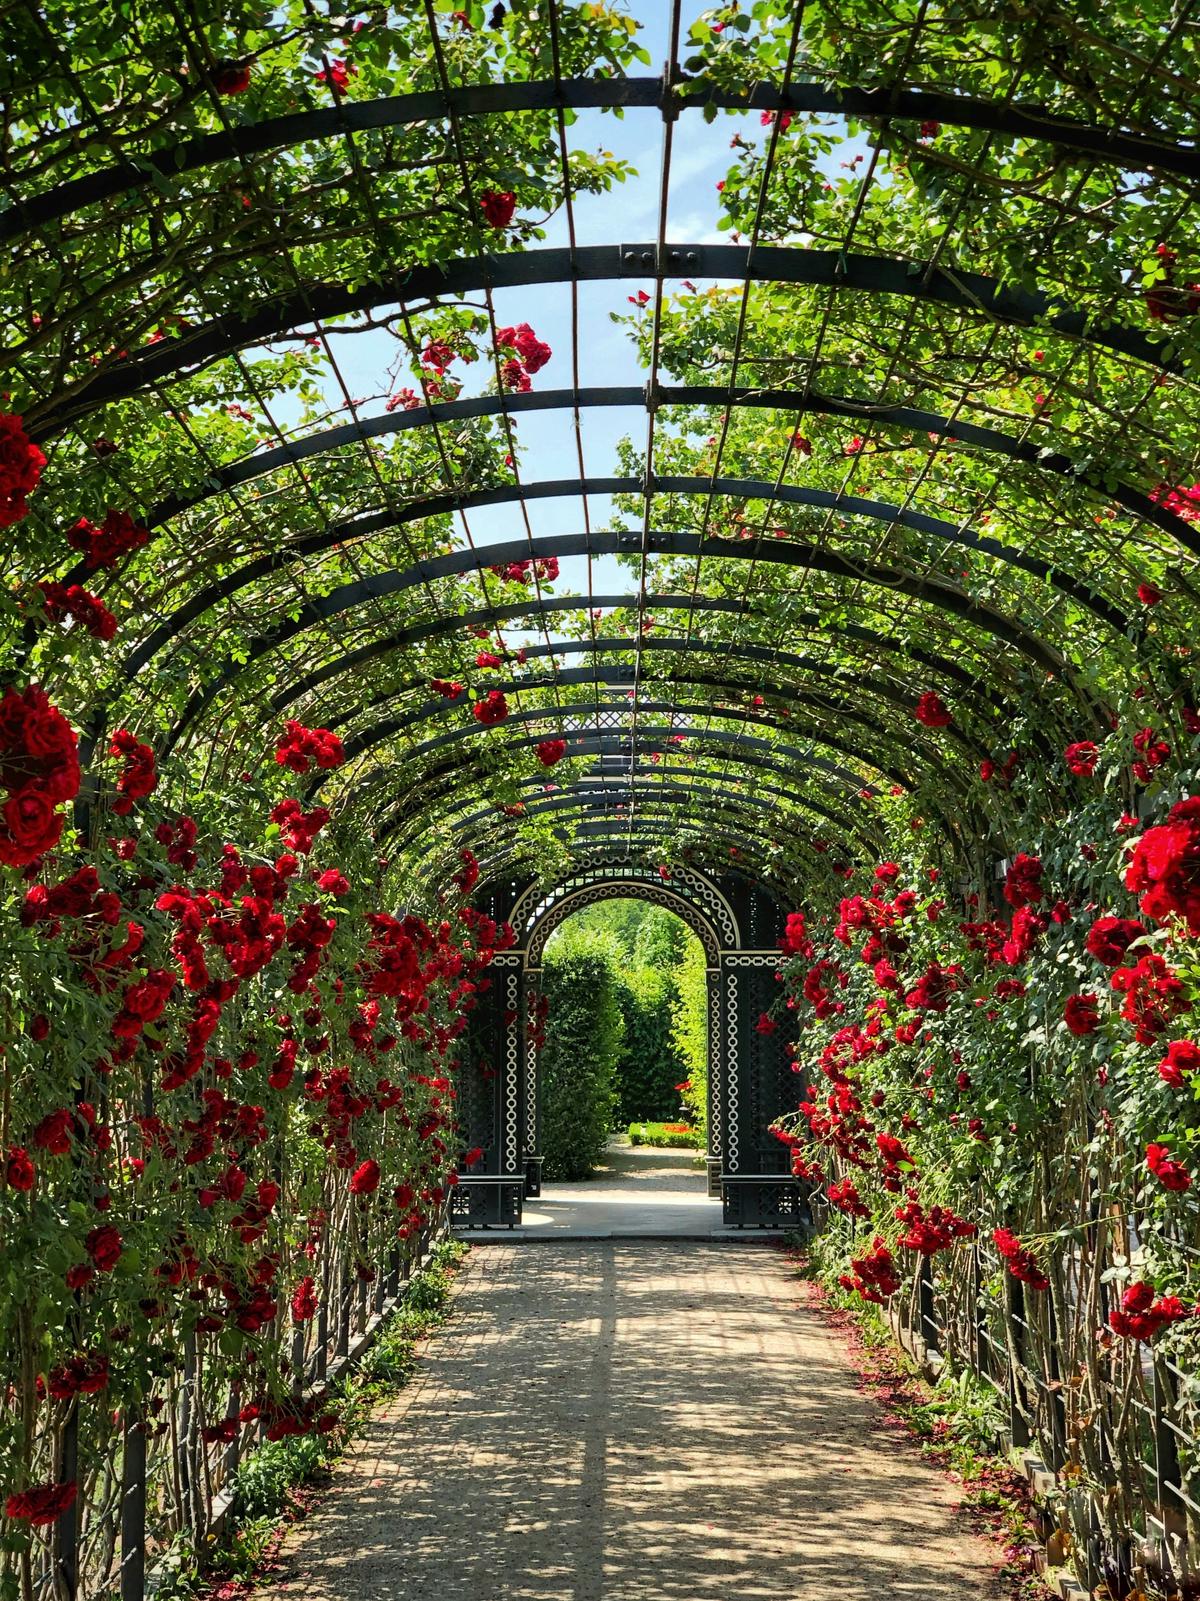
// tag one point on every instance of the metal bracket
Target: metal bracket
(671, 261)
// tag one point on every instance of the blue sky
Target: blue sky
(628, 213)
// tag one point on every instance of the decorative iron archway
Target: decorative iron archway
(750, 1081)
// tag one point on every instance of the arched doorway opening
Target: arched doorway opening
(622, 1073)
(738, 922)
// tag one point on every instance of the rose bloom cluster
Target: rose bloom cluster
(39, 773)
(229, 1006)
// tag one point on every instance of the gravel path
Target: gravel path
(633, 1421)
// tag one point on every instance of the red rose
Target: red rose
(38, 824)
(300, 746)
(365, 1178)
(1023, 881)
(103, 1245)
(230, 79)
(1110, 937)
(498, 206)
(104, 546)
(31, 819)
(1081, 758)
(304, 1300)
(43, 1504)
(21, 464)
(1082, 1014)
(1172, 1175)
(931, 711)
(1149, 594)
(1019, 1260)
(53, 1133)
(551, 751)
(1182, 1057)
(138, 778)
(45, 732)
(1165, 867)
(19, 1171)
(492, 709)
(147, 998)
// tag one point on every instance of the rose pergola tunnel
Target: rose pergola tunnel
(454, 473)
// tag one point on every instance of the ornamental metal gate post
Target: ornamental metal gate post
(714, 1155)
(531, 1099)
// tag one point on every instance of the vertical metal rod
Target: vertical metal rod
(928, 1330)
(1171, 1509)
(344, 1307)
(1018, 1429)
(133, 1510)
(66, 1532)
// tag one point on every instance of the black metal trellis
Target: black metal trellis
(944, 596)
(1134, 151)
(778, 264)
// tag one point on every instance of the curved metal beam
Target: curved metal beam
(780, 264)
(663, 776)
(585, 802)
(656, 738)
(438, 711)
(624, 674)
(746, 750)
(458, 562)
(1133, 151)
(735, 824)
(799, 402)
(937, 593)
(403, 638)
(701, 768)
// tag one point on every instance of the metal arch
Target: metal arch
(651, 801)
(650, 832)
(819, 713)
(599, 788)
(647, 781)
(590, 746)
(795, 401)
(748, 752)
(700, 925)
(537, 898)
(586, 709)
(571, 832)
(702, 775)
(511, 494)
(782, 264)
(661, 773)
(612, 644)
(1129, 150)
(658, 602)
(509, 861)
(621, 675)
(676, 543)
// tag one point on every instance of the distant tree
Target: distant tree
(662, 939)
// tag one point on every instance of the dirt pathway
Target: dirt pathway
(633, 1421)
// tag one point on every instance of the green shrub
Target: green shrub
(578, 1061)
(649, 1066)
(689, 1033)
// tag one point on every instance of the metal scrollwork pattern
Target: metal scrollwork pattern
(715, 1075)
(512, 1045)
(731, 1071)
(686, 885)
(613, 890)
